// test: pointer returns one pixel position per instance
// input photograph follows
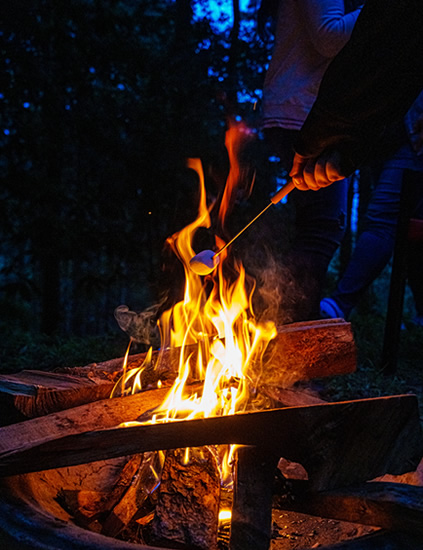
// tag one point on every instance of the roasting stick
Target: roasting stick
(206, 261)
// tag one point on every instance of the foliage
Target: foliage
(102, 103)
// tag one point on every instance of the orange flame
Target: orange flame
(213, 326)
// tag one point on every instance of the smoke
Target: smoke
(287, 290)
(141, 327)
(279, 294)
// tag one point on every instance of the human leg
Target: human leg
(415, 261)
(319, 228)
(375, 245)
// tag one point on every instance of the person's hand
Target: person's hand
(315, 173)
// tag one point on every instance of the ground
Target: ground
(294, 531)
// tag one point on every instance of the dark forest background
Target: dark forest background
(101, 103)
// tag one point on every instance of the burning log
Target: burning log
(32, 393)
(300, 351)
(106, 413)
(188, 506)
(85, 492)
(338, 444)
(312, 349)
(143, 484)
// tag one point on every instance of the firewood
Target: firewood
(83, 492)
(33, 393)
(299, 352)
(124, 511)
(393, 506)
(252, 499)
(289, 397)
(100, 414)
(338, 444)
(132, 501)
(307, 350)
(188, 505)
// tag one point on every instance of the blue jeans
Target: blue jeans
(376, 243)
(320, 223)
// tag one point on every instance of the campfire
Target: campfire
(195, 431)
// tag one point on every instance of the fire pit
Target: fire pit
(223, 378)
(340, 445)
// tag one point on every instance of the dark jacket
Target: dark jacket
(369, 85)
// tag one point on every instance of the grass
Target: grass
(368, 324)
(25, 350)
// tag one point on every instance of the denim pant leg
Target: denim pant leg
(415, 253)
(375, 244)
(320, 223)
(319, 228)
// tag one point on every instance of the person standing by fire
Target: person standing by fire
(308, 34)
(375, 244)
(369, 85)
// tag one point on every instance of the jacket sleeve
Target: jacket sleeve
(327, 24)
(369, 85)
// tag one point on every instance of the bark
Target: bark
(188, 506)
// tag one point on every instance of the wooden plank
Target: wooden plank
(299, 352)
(393, 506)
(252, 499)
(338, 444)
(105, 413)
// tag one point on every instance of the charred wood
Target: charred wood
(188, 505)
(252, 499)
(338, 444)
